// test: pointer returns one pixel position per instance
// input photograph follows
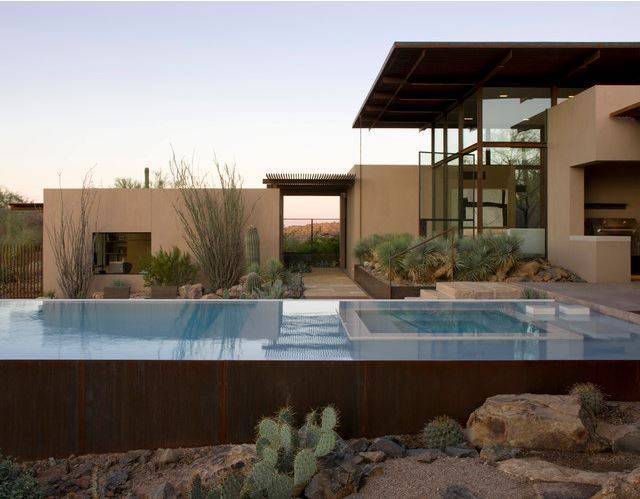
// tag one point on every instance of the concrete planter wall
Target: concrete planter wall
(163, 292)
(116, 292)
(379, 289)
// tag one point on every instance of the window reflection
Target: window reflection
(514, 114)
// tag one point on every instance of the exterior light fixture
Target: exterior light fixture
(502, 96)
(466, 118)
(571, 97)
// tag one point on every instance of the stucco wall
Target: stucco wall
(384, 199)
(149, 210)
(581, 132)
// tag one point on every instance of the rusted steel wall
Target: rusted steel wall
(57, 408)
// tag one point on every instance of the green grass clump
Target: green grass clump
(17, 482)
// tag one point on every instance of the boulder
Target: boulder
(166, 456)
(543, 471)
(425, 456)
(531, 421)
(389, 447)
(622, 437)
(210, 296)
(335, 483)
(164, 491)
(191, 291)
(560, 490)
(358, 444)
(460, 452)
(528, 269)
(373, 456)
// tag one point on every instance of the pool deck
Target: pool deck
(620, 300)
(331, 283)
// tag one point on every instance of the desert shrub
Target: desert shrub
(533, 294)
(16, 482)
(172, 268)
(213, 220)
(118, 284)
(364, 248)
(505, 251)
(273, 271)
(319, 244)
(441, 432)
(591, 397)
(301, 267)
(386, 254)
(479, 258)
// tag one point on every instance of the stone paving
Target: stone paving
(620, 300)
(330, 284)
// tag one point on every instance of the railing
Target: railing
(307, 228)
(20, 271)
(416, 246)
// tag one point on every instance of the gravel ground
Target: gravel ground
(407, 478)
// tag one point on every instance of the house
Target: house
(541, 140)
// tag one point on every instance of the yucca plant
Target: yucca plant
(364, 248)
(505, 251)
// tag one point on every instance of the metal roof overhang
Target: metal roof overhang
(419, 81)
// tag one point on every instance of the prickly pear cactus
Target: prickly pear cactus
(304, 467)
(252, 246)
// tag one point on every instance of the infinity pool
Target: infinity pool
(308, 330)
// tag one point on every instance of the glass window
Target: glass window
(511, 196)
(438, 145)
(120, 252)
(470, 122)
(452, 131)
(514, 114)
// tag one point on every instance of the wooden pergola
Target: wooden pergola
(314, 184)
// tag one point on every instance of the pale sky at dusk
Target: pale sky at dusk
(271, 86)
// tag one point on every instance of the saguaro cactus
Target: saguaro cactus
(252, 246)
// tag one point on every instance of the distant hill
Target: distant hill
(319, 229)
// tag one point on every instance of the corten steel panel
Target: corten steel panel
(260, 388)
(401, 396)
(38, 408)
(149, 404)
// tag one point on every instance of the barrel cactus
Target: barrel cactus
(252, 246)
(591, 397)
(442, 432)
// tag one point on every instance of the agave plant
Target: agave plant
(364, 248)
(505, 251)
(387, 254)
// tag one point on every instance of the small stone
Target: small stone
(358, 445)
(356, 460)
(388, 446)
(427, 456)
(164, 491)
(460, 452)
(373, 456)
(457, 492)
(116, 479)
(166, 456)
(496, 453)
(131, 456)
(83, 482)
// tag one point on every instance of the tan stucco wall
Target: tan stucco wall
(581, 131)
(150, 210)
(384, 199)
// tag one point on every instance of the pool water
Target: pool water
(472, 322)
(305, 330)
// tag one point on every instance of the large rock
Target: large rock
(621, 437)
(530, 421)
(388, 446)
(191, 291)
(543, 471)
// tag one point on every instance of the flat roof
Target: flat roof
(419, 81)
(310, 183)
(26, 206)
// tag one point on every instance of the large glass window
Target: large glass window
(511, 187)
(438, 140)
(514, 114)
(120, 252)
(470, 122)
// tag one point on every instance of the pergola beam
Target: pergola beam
(400, 85)
(581, 66)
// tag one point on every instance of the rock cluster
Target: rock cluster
(540, 270)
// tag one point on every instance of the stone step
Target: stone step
(431, 294)
(479, 290)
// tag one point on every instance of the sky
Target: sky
(267, 86)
